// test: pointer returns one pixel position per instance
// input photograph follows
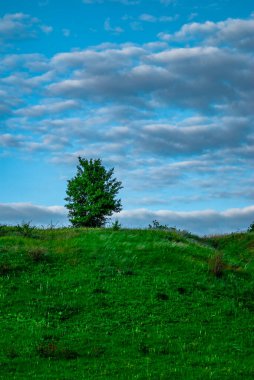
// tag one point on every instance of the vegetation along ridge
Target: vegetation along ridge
(80, 303)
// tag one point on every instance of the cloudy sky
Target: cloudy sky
(161, 90)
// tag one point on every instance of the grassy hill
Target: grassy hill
(128, 304)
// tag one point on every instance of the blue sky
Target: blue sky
(161, 90)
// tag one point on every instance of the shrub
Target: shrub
(157, 226)
(116, 226)
(25, 229)
(251, 227)
(3, 229)
(38, 255)
(217, 265)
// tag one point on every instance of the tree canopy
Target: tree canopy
(91, 194)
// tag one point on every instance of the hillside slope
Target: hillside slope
(128, 304)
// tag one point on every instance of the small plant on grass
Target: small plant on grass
(5, 269)
(47, 349)
(3, 229)
(162, 297)
(38, 255)
(52, 349)
(11, 353)
(52, 226)
(217, 265)
(157, 226)
(25, 229)
(143, 348)
(116, 226)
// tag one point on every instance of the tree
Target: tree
(91, 194)
(251, 227)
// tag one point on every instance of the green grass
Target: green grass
(128, 304)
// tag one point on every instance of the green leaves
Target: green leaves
(91, 194)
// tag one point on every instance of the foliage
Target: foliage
(251, 227)
(26, 229)
(116, 225)
(91, 194)
(4, 229)
(157, 226)
(174, 233)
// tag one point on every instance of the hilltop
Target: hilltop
(127, 304)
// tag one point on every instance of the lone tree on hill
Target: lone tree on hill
(91, 194)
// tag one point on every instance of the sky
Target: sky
(161, 90)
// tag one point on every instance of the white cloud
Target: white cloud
(66, 32)
(172, 139)
(48, 108)
(192, 16)
(201, 222)
(109, 28)
(147, 17)
(33, 62)
(13, 213)
(150, 18)
(15, 26)
(198, 78)
(136, 26)
(8, 140)
(235, 32)
(47, 29)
